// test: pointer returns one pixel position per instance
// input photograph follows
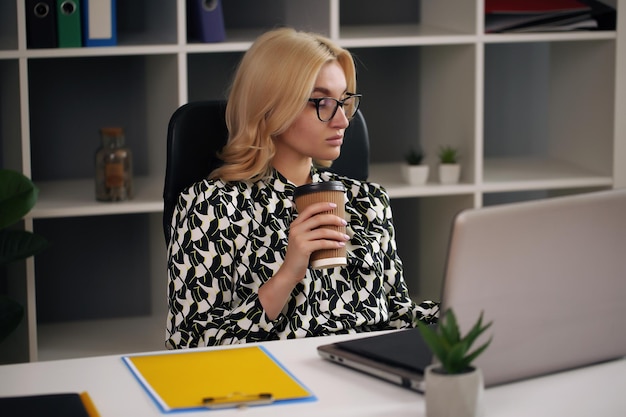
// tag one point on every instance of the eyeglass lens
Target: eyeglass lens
(327, 107)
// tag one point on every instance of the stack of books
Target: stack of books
(547, 15)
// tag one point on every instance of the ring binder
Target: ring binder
(68, 24)
(41, 24)
(205, 21)
(99, 22)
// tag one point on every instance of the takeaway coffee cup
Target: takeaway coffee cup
(333, 192)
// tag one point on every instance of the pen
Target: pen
(238, 399)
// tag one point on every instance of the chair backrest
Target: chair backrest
(197, 131)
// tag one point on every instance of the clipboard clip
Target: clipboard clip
(238, 400)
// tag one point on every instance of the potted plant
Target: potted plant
(17, 197)
(454, 386)
(449, 167)
(413, 170)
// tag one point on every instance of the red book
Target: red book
(534, 6)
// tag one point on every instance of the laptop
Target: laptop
(550, 274)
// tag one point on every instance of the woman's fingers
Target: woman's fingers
(320, 214)
(314, 229)
(319, 224)
(317, 208)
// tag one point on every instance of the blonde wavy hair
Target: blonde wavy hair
(271, 87)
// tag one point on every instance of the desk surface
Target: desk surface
(597, 390)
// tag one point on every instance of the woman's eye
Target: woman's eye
(325, 102)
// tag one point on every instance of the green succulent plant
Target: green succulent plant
(414, 157)
(449, 347)
(448, 154)
(18, 195)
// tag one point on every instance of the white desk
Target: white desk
(593, 391)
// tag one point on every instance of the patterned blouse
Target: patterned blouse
(230, 238)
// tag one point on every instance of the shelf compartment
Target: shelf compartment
(94, 268)
(551, 101)
(431, 91)
(403, 20)
(138, 23)
(99, 92)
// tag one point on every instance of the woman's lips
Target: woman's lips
(335, 140)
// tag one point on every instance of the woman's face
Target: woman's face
(308, 137)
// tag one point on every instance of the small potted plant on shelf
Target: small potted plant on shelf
(454, 386)
(449, 167)
(413, 170)
(17, 197)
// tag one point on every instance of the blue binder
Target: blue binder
(205, 21)
(99, 22)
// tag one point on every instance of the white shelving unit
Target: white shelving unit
(534, 115)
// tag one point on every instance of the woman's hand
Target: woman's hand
(306, 235)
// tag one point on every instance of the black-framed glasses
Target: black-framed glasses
(327, 106)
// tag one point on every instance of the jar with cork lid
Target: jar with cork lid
(114, 166)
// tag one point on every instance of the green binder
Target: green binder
(69, 27)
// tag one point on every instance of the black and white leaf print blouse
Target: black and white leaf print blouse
(230, 238)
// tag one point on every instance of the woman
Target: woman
(239, 253)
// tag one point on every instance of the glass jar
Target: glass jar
(114, 166)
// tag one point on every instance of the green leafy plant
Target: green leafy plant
(414, 157)
(18, 195)
(449, 347)
(448, 155)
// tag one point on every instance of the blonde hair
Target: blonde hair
(271, 87)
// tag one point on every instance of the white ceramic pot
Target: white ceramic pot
(458, 395)
(449, 173)
(415, 174)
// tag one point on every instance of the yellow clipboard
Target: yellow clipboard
(231, 377)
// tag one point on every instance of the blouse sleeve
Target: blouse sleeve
(403, 311)
(202, 271)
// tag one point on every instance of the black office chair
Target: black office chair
(197, 130)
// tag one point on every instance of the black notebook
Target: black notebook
(44, 405)
(399, 357)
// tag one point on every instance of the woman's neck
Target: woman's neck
(297, 173)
